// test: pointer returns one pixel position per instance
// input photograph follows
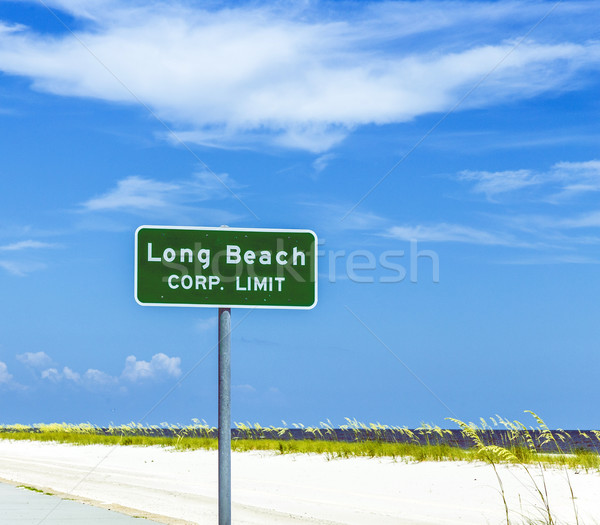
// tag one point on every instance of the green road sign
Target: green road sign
(225, 267)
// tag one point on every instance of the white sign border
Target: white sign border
(212, 228)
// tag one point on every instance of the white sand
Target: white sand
(181, 487)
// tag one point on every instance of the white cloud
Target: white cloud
(359, 220)
(322, 162)
(22, 245)
(158, 367)
(444, 232)
(70, 375)
(5, 377)
(98, 378)
(542, 232)
(589, 219)
(11, 28)
(244, 389)
(138, 195)
(67, 374)
(298, 76)
(21, 268)
(538, 232)
(551, 259)
(585, 220)
(52, 374)
(92, 378)
(133, 193)
(35, 359)
(577, 177)
(556, 189)
(560, 181)
(334, 217)
(493, 183)
(7, 380)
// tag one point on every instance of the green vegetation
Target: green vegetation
(518, 445)
(33, 489)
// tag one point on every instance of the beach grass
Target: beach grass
(521, 445)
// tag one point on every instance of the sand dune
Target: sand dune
(181, 487)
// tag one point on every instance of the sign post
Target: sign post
(225, 268)
(224, 416)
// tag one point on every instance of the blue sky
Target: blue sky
(457, 141)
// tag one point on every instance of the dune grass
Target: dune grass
(332, 449)
(428, 443)
(581, 459)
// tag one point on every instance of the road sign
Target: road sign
(225, 267)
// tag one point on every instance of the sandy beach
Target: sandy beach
(181, 487)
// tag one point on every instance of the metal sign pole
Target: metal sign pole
(224, 416)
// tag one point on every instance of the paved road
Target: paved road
(20, 506)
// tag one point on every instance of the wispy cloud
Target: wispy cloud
(23, 245)
(322, 162)
(7, 380)
(584, 220)
(35, 359)
(183, 201)
(560, 181)
(11, 28)
(444, 232)
(244, 389)
(557, 231)
(21, 268)
(544, 259)
(560, 223)
(578, 177)
(5, 377)
(530, 231)
(134, 194)
(494, 183)
(328, 216)
(301, 76)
